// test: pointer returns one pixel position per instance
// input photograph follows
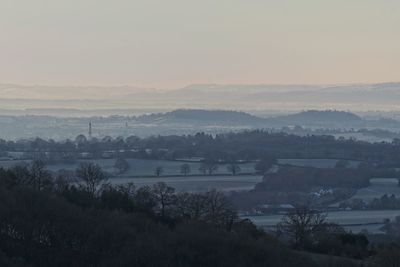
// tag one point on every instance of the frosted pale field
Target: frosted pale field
(378, 187)
(316, 163)
(146, 167)
(192, 183)
(138, 167)
(351, 220)
(197, 183)
(363, 137)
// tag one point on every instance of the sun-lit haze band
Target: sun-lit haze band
(169, 44)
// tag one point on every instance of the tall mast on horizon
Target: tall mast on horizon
(90, 130)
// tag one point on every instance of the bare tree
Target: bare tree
(158, 171)
(122, 165)
(63, 180)
(128, 189)
(185, 169)
(208, 167)
(264, 165)
(39, 177)
(144, 199)
(191, 205)
(301, 224)
(164, 196)
(91, 175)
(233, 168)
(212, 207)
(219, 209)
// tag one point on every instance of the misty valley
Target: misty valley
(278, 180)
(153, 133)
(366, 127)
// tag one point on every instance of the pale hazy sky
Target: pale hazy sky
(171, 43)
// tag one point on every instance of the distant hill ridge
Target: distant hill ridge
(202, 116)
(224, 117)
(363, 97)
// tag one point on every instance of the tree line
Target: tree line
(228, 147)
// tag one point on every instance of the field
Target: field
(351, 220)
(141, 169)
(316, 163)
(144, 167)
(357, 221)
(378, 187)
(141, 173)
(138, 167)
(363, 137)
(197, 183)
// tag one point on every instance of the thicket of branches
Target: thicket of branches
(48, 221)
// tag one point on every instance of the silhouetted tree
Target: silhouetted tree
(39, 177)
(80, 139)
(233, 169)
(185, 169)
(219, 210)
(158, 171)
(164, 196)
(301, 224)
(91, 176)
(191, 206)
(208, 167)
(122, 165)
(264, 165)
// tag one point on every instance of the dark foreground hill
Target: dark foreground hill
(54, 224)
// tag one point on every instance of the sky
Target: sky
(173, 43)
